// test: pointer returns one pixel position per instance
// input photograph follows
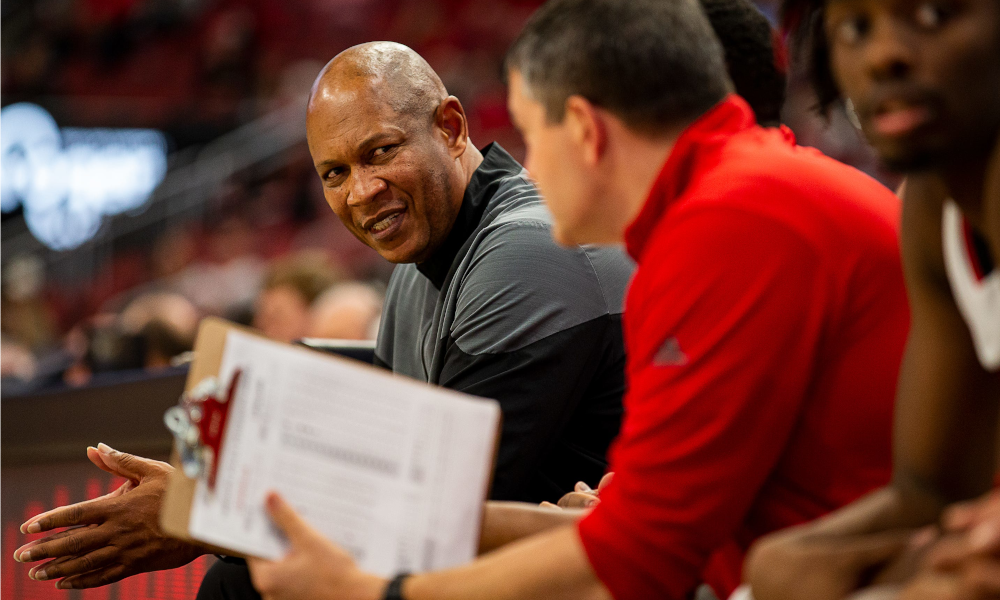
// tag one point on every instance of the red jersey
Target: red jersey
(764, 330)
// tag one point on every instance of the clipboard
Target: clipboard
(175, 513)
(210, 344)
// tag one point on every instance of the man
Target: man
(767, 297)
(483, 302)
(924, 79)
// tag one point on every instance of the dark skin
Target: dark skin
(925, 78)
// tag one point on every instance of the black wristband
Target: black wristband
(394, 591)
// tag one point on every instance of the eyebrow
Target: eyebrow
(370, 141)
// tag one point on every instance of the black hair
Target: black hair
(803, 22)
(655, 64)
(748, 42)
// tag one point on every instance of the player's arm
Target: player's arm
(506, 522)
(944, 437)
(552, 565)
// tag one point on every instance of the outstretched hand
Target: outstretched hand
(111, 537)
(314, 567)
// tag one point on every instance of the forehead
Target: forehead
(522, 106)
(340, 123)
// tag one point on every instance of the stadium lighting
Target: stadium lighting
(67, 180)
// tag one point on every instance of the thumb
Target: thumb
(288, 521)
(94, 455)
(605, 480)
(125, 464)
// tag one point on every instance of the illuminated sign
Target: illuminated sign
(67, 180)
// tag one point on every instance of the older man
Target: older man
(483, 302)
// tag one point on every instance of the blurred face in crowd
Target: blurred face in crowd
(563, 159)
(923, 75)
(282, 314)
(388, 160)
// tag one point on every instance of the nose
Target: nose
(890, 51)
(365, 187)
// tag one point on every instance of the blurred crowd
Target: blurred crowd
(265, 251)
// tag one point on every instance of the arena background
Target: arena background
(156, 147)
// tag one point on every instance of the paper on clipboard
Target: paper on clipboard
(392, 469)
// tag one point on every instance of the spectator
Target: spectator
(346, 311)
(290, 288)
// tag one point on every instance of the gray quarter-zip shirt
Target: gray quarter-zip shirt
(501, 311)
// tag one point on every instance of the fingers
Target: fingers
(284, 516)
(81, 513)
(96, 578)
(128, 465)
(605, 480)
(34, 570)
(547, 504)
(581, 487)
(18, 553)
(94, 455)
(578, 500)
(77, 542)
(74, 565)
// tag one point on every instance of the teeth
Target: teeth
(384, 223)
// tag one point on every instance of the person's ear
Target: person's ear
(586, 129)
(452, 125)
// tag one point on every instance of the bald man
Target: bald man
(483, 301)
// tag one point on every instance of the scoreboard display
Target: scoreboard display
(45, 437)
(29, 490)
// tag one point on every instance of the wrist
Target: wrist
(369, 587)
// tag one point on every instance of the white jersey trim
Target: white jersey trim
(978, 299)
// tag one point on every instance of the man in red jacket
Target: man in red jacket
(764, 326)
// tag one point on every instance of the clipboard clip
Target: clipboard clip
(198, 424)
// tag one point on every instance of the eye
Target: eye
(382, 150)
(930, 15)
(852, 29)
(334, 175)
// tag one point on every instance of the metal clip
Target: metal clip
(198, 423)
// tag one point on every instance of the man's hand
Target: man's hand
(582, 496)
(313, 569)
(111, 537)
(797, 564)
(979, 519)
(965, 563)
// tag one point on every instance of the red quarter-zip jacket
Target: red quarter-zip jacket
(764, 330)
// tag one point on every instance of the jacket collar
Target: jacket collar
(688, 156)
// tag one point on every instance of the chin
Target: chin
(906, 159)
(560, 236)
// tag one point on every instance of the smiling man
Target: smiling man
(483, 301)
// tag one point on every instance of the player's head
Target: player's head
(583, 72)
(922, 75)
(386, 140)
(748, 42)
